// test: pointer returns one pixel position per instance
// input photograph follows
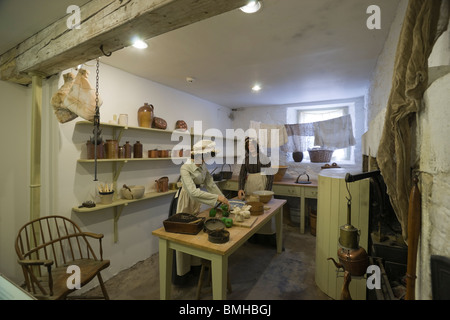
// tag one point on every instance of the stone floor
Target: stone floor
(256, 272)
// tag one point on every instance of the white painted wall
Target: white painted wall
(15, 112)
(66, 183)
(431, 145)
(434, 150)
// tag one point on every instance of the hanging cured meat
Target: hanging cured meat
(62, 113)
(81, 98)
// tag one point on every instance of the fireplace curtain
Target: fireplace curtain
(424, 22)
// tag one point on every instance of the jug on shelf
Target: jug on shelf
(145, 115)
(162, 184)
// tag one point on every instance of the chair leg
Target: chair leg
(206, 264)
(102, 286)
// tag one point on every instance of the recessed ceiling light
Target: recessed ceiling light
(138, 43)
(256, 88)
(251, 7)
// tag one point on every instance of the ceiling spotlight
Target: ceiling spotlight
(251, 7)
(256, 88)
(140, 44)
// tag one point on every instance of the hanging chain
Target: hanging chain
(96, 119)
(97, 111)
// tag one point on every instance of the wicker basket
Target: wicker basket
(320, 155)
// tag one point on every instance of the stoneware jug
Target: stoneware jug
(145, 115)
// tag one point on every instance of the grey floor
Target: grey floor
(256, 272)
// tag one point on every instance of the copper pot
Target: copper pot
(153, 153)
(163, 153)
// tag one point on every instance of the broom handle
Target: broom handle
(414, 221)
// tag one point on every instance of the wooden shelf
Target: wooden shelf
(116, 126)
(125, 160)
(123, 202)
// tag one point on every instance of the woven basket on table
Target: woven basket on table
(320, 155)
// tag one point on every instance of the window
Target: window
(308, 114)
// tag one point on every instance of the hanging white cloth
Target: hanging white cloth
(300, 137)
(269, 135)
(335, 133)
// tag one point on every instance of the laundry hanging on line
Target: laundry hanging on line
(269, 135)
(336, 133)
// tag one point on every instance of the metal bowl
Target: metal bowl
(213, 224)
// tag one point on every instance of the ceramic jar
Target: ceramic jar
(145, 115)
(137, 150)
(121, 152)
(112, 149)
(123, 120)
(127, 147)
(298, 156)
(91, 150)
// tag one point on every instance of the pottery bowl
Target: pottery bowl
(136, 192)
(264, 195)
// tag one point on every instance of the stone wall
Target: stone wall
(431, 148)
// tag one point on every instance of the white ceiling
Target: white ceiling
(298, 50)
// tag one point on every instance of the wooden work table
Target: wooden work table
(286, 187)
(199, 245)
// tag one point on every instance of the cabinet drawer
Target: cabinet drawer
(310, 192)
(286, 191)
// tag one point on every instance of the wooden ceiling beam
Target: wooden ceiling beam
(107, 23)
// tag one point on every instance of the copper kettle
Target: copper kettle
(162, 184)
(352, 257)
(355, 261)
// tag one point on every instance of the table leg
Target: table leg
(219, 271)
(165, 269)
(302, 214)
(279, 228)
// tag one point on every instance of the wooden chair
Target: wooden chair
(47, 246)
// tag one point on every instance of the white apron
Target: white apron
(256, 182)
(186, 205)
